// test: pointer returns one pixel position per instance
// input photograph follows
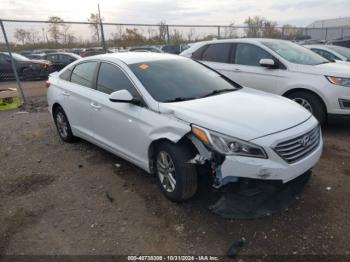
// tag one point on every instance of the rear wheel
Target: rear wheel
(311, 103)
(63, 126)
(176, 177)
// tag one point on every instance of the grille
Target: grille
(298, 148)
(344, 104)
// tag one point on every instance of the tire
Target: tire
(184, 174)
(310, 102)
(62, 124)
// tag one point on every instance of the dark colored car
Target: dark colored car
(27, 69)
(146, 49)
(174, 49)
(93, 51)
(60, 59)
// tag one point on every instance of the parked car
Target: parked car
(332, 52)
(27, 69)
(174, 49)
(168, 114)
(146, 49)
(60, 60)
(93, 51)
(283, 68)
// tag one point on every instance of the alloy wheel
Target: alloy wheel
(304, 103)
(166, 171)
(62, 124)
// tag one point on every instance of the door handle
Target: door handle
(237, 70)
(95, 106)
(65, 93)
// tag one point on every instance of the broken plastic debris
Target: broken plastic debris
(117, 165)
(109, 197)
(328, 188)
(234, 248)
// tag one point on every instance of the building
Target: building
(336, 22)
(329, 29)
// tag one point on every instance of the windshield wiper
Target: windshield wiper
(179, 99)
(216, 92)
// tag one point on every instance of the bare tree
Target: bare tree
(55, 28)
(190, 35)
(22, 35)
(261, 27)
(65, 33)
(255, 25)
(230, 31)
(162, 28)
(95, 26)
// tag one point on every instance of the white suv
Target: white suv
(283, 68)
(168, 114)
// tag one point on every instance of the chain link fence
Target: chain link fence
(34, 39)
(58, 34)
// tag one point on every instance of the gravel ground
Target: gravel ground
(59, 198)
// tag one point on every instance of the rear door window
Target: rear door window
(83, 74)
(217, 53)
(52, 57)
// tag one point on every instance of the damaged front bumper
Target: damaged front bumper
(229, 168)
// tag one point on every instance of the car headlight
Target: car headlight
(228, 145)
(340, 81)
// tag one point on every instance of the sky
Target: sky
(223, 12)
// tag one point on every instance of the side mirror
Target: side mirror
(123, 96)
(269, 63)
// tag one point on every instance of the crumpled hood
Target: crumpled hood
(340, 69)
(246, 114)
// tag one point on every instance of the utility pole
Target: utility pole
(13, 65)
(102, 33)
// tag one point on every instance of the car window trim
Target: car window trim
(143, 102)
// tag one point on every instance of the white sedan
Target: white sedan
(169, 114)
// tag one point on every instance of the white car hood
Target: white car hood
(246, 114)
(328, 69)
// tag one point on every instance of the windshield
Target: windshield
(341, 50)
(179, 79)
(19, 57)
(295, 53)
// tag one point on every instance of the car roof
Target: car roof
(136, 57)
(245, 40)
(317, 46)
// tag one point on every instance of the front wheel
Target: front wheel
(311, 103)
(176, 177)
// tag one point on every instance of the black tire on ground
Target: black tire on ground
(185, 173)
(58, 115)
(317, 105)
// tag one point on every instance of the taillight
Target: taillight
(47, 84)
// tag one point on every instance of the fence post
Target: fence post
(167, 34)
(218, 32)
(102, 33)
(325, 38)
(24, 103)
(342, 33)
